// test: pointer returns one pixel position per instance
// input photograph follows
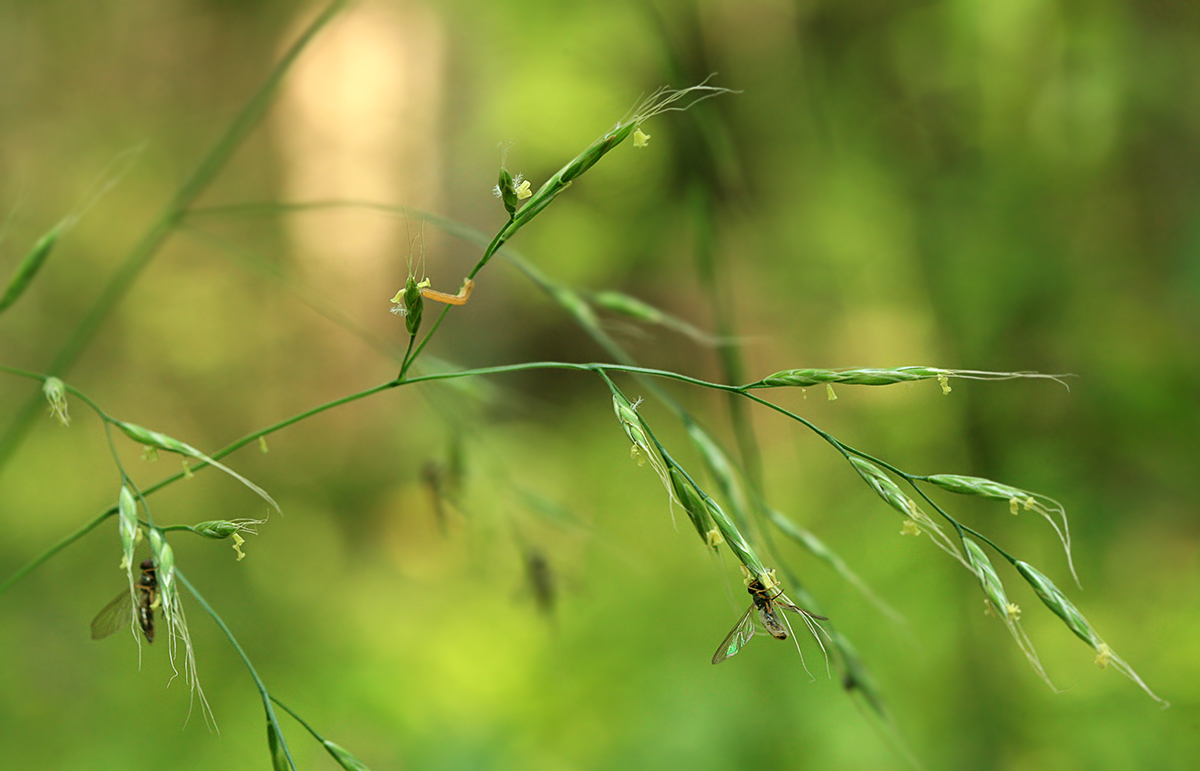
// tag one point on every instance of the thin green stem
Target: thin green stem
(256, 435)
(37, 561)
(411, 357)
(299, 720)
(842, 448)
(258, 683)
(230, 448)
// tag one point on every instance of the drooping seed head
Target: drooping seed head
(56, 393)
(30, 266)
(409, 304)
(692, 503)
(127, 524)
(343, 757)
(164, 559)
(1055, 600)
(986, 573)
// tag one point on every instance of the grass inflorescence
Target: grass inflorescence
(722, 497)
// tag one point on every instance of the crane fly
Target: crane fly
(764, 609)
(116, 614)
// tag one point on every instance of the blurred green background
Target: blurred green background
(981, 185)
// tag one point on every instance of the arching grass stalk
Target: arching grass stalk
(279, 426)
(275, 740)
(433, 377)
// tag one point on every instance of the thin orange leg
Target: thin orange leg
(450, 299)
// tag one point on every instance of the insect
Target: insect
(764, 607)
(464, 293)
(115, 614)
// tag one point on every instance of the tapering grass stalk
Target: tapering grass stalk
(148, 245)
(272, 720)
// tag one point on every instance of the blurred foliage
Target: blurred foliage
(985, 185)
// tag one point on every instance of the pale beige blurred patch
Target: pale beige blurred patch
(360, 119)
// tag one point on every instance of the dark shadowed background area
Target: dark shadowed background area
(968, 184)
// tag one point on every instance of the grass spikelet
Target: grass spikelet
(343, 757)
(802, 378)
(643, 451)
(1050, 510)
(733, 537)
(890, 492)
(633, 308)
(998, 601)
(127, 524)
(219, 529)
(693, 504)
(874, 376)
(661, 101)
(339, 753)
(647, 449)
(154, 439)
(409, 303)
(1055, 600)
(55, 392)
(24, 274)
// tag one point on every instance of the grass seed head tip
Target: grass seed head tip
(55, 392)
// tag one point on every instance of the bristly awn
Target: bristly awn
(116, 614)
(762, 609)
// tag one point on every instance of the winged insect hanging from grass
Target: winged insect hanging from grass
(117, 613)
(764, 610)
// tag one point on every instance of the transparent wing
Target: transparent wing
(113, 616)
(741, 633)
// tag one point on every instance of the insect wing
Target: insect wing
(113, 616)
(770, 622)
(741, 633)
